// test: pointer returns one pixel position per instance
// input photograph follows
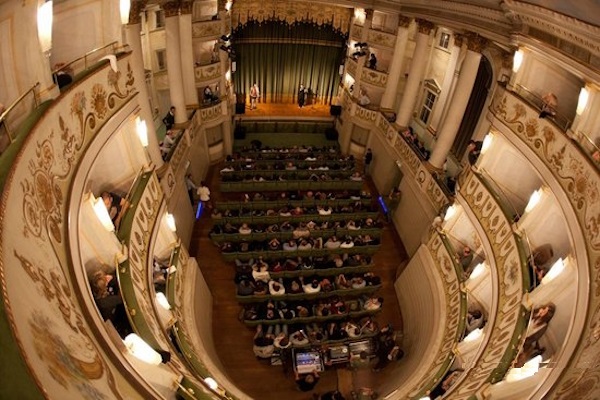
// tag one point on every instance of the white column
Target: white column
(446, 88)
(389, 96)
(458, 104)
(187, 54)
(132, 32)
(415, 74)
(174, 61)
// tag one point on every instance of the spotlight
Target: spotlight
(226, 38)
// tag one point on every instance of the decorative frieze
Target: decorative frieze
(208, 72)
(171, 8)
(381, 39)
(135, 12)
(475, 42)
(425, 27)
(207, 29)
(373, 77)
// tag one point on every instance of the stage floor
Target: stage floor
(269, 110)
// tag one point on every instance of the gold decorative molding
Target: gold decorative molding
(425, 27)
(459, 38)
(186, 7)
(171, 8)
(375, 78)
(208, 72)
(50, 327)
(381, 39)
(135, 13)
(207, 29)
(291, 11)
(404, 22)
(475, 42)
(580, 181)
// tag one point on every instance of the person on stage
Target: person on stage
(254, 95)
(301, 95)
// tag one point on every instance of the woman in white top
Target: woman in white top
(313, 287)
(245, 229)
(203, 192)
(332, 243)
(347, 244)
(276, 288)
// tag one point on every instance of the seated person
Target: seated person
(335, 332)
(276, 288)
(540, 317)
(356, 176)
(245, 229)
(358, 282)
(116, 207)
(263, 343)
(274, 244)
(347, 243)
(301, 231)
(474, 321)
(290, 245)
(304, 245)
(332, 243)
(312, 287)
(326, 285)
(260, 288)
(245, 288)
(295, 287)
(105, 289)
(324, 210)
(306, 382)
(373, 303)
(341, 282)
(302, 311)
(352, 330)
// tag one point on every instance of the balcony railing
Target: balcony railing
(203, 73)
(81, 65)
(535, 100)
(12, 118)
(208, 29)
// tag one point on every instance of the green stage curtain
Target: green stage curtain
(279, 57)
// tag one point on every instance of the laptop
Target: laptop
(308, 362)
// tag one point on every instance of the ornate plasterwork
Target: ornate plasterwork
(51, 330)
(425, 27)
(290, 11)
(180, 153)
(580, 180)
(504, 329)
(351, 67)
(381, 39)
(211, 113)
(207, 29)
(559, 25)
(455, 311)
(375, 78)
(207, 72)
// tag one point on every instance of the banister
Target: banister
(14, 104)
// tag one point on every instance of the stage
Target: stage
(286, 110)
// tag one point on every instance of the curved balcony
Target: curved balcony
(508, 319)
(209, 72)
(381, 39)
(575, 180)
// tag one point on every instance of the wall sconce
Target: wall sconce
(124, 7)
(450, 212)
(233, 66)
(534, 200)
(360, 14)
(487, 142)
(557, 268)
(162, 300)
(44, 25)
(170, 219)
(528, 369)
(211, 383)
(477, 271)
(141, 350)
(584, 95)
(142, 131)
(172, 269)
(474, 335)
(517, 60)
(228, 6)
(102, 214)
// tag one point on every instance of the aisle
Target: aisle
(233, 340)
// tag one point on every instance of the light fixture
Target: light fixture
(474, 335)
(477, 271)
(528, 369)
(534, 200)
(211, 383)
(517, 60)
(487, 142)
(141, 350)
(450, 212)
(228, 6)
(557, 268)
(142, 131)
(44, 25)
(228, 76)
(171, 222)
(162, 300)
(172, 269)
(233, 66)
(102, 214)
(124, 7)
(584, 95)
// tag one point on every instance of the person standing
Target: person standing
(373, 61)
(191, 187)
(301, 96)
(204, 194)
(254, 95)
(368, 159)
(169, 119)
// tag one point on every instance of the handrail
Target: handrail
(85, 56)
(346, 293)
(270, 254)
(562, 121)
(4, 116)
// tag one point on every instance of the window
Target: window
(161, 59)
(160, 19)
(427, 108)
(444, 40)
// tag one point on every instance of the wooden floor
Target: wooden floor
(286, 110)
(233, 340)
